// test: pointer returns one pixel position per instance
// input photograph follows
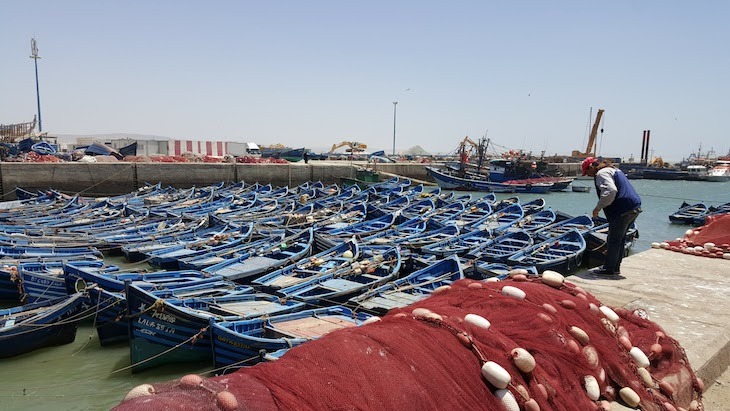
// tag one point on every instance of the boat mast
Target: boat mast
(35, 57)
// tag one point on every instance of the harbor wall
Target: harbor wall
(118, 178)
(100, 179)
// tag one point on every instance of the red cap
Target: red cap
(586, 163)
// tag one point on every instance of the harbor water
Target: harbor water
(85, 376)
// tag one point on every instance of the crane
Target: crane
(354, 146)
(590, 149)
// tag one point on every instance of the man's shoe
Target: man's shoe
(604, 272)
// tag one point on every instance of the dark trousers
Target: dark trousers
(616, 242)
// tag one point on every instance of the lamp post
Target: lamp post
(395, 104)
(35, 57)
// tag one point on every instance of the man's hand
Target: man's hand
(596, 211)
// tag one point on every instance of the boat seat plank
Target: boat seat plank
(310, 327)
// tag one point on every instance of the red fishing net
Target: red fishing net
(710, 240)
(442, 353)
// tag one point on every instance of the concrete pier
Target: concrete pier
(686, 295)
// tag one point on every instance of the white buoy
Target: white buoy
(140, 391)
(642, 361)
(495, 374)
(709, 246)
(477, 321)
(664, 245)
(656, 245)
(508, 400)
(630, 397)
(592, 389)
(524, 361)
(514, 292)
(373, 319)
(609, 313)
(552, 278)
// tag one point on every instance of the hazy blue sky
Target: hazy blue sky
(312, 73)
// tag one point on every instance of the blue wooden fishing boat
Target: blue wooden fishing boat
(460, 244)
(258, 262)
(47, 252)
(411, 288)
(451, 180)
(500, 220)
(582, 223)
(337, 287)
(163, 331)
(47, 280)
(200, 262)
(562, 254)
(334, 260)
(170, 256)
(42, 324)
(485, 269)
(471, 214)
(534, 206)
(501, 248)
(711, 210)
(688, 212)
(417, 241)
(535, 221)
(398, 233)
(242, 342)
(329, 236)
(111, 316)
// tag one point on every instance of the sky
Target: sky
(527, 74)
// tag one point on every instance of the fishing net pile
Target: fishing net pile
(710, 240)
(525, 343)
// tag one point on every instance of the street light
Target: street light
(395, 104)
(35, 57)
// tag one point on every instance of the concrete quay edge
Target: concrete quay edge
(687, 295)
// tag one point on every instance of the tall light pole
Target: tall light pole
(395, 104)
(35, 57)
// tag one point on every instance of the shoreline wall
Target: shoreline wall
(104, 179)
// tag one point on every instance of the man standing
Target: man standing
(621, 205)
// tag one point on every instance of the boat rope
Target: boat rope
(684, 198)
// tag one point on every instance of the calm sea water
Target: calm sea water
(86, 376)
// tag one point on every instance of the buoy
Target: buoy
(477, 321)
(579, 335)
(517, 271)
(420, 312)
(688, 233)
(645, 376)
(347, 254)
(664, 245)
(709, 246)
(641, 360)
(630, 397)
(609, 313)
(140, 391)
(495, 374)
(373, 319)
(492, 280)
(191, 381)
(509, 402)
(524, 361)
(552, 278)
(226, 401)
(666, 388)
(549, 308)
(514, 292)
(441, 289)
(283, 246)
(625, 342)
(656, 245)
(532, 405)
(591, 355)
(474, 285)
(592, 389)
